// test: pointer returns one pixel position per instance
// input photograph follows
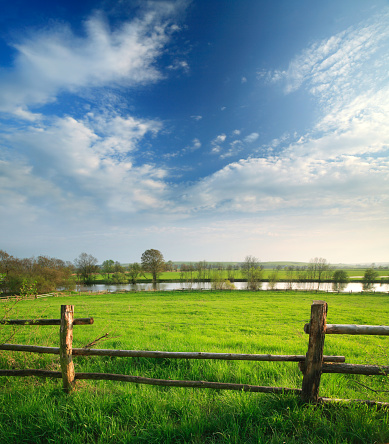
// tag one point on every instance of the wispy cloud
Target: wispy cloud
(55, 60)
(336, 68)
(251, 138)
(337, 170)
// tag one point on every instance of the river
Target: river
(352, 287)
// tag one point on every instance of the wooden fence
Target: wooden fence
(312, 365)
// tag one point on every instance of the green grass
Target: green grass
(36, 410)
(354, 274)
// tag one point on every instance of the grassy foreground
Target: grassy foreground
(35, 410)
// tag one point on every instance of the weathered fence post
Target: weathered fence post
(314, 356)
(65, 347)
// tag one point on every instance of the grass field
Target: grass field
(354, 274)
(35, 410)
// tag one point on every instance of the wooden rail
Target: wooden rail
(152, 381)
(164, 354)
(351, 329)
(79, 321)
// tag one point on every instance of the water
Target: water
(353, 287)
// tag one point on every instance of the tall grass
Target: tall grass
(36, 410)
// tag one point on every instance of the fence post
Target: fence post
(65, 347)
(314, 356)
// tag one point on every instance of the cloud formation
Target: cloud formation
(55, 60)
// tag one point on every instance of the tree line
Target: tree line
(44, 274)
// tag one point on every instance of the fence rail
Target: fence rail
(312, 365)
(164, 354)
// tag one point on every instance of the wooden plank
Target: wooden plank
(314, 357)
(65, 346)
(353, 329)
(356, 369)
(79, 321)
(29, 372)
(351, 369)
(192, 384)
(199, 355)
(30, 348)
(168, 355)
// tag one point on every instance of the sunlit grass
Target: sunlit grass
(236, 322)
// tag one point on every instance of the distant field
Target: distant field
(282, 274)
(34, 410)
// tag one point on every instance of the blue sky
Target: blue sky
(205, 129)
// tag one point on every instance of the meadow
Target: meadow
(355, 274)
(36, 410)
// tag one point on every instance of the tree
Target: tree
(107, 268)
(43, 274)
(369, 278)
(219, 283)
(118, 267)
(119, 278)
(153, 262)
(290, 272)
(231, 272)
(86, 266)
(134, 271)
(169, 266)
(274, 278)
(201, 268)
(340, 280)
(252, 272)
(319, 269)
(187, 274)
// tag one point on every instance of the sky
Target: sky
(209, 130)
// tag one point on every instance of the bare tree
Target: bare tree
(274, 277)
(252, 272)
(86, 267)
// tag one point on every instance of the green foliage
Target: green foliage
(47, 273)
(134, 272)
(153, 262)
(369, 278)
(252, 272)
(119, 278)
(28, 288)
(340, 280)
(219, 283)
(107, 268)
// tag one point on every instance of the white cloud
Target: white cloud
(56, 60)
(216, 142)
(179, 65)
(70, 156)
(235, 148)
(336, 68)
(251, 137)
(219, 139)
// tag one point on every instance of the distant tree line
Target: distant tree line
(44, 274)
(34, 275)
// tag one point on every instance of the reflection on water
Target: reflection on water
(353, 287)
